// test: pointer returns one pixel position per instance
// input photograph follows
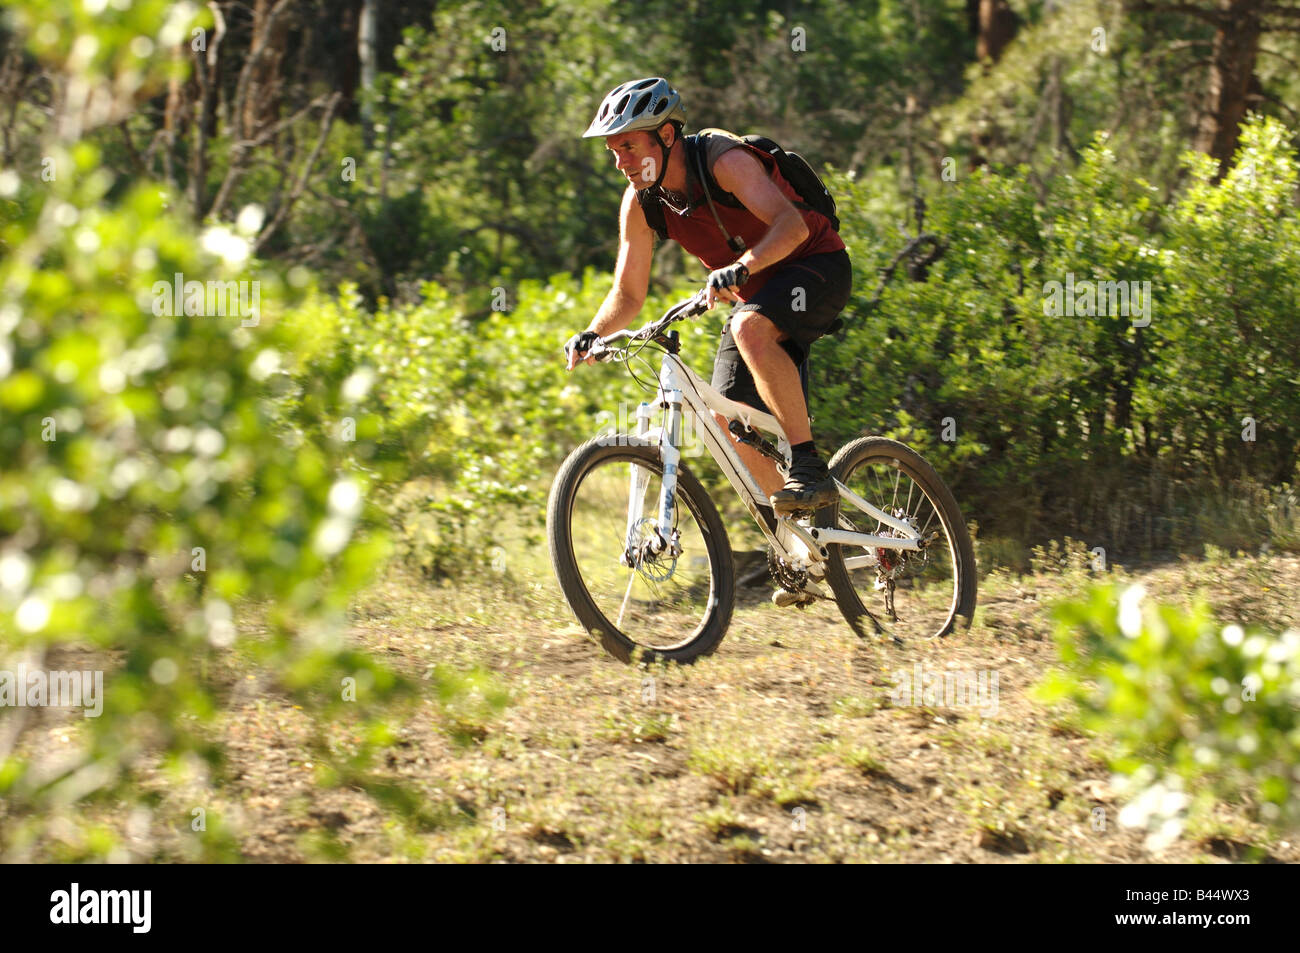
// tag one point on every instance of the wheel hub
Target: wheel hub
(892, 563)
(647, 554)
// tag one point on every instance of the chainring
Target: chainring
(785, 576)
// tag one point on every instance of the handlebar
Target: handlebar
(689, 308)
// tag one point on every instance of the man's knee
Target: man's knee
(753, 332)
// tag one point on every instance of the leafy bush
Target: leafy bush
(1047, 423)
(1189, 704)
(1230, 348)
(155, 477)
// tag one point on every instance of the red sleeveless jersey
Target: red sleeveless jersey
(698, 233)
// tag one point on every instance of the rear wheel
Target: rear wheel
(902, 594)
(668, 606)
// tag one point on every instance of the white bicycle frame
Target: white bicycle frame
(801, 546)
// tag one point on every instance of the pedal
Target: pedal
(801, 598)
(784, 598)
(796, 515)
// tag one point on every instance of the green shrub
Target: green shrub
(1100, 426)
(464, 420)
(1188, 704)
(161, 480)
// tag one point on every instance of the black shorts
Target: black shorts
(825, 281)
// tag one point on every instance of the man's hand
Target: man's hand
(725, 283)
(576, 348)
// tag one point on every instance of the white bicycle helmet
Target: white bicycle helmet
(639, 104)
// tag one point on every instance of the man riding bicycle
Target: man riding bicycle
(788, 286)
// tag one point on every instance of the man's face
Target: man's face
(637, 155)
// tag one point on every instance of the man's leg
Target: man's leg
(776, 378)
(775, 374)
(731, 377)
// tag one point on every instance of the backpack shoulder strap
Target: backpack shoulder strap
(699, 144)
(654, 213)
(701, 167)
(697, 166)
(697, 150)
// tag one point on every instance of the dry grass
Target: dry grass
(784, 746)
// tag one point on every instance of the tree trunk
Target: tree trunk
(1232, 70)
(994, 24)
(175, 113)
(262, 105)
(997, 28)
(348, 73)
(367, 51)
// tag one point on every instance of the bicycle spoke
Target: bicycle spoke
(912, 591)
(631, 579)
(928, 519)
(662, 600)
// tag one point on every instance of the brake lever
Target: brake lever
(692, 308)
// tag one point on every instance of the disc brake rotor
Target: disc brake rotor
(639, 553)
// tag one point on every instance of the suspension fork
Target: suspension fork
(640, 479)
(671, 457)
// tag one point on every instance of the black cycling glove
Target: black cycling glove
(580, 344)
(733, 276)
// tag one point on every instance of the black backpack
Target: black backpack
(794, 168)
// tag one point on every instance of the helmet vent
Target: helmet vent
(638, 104)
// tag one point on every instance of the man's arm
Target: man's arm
(631, 278)
(743, 176)
(631, 274)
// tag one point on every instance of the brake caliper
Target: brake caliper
(647, 553)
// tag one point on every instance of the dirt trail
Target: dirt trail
(784, 746)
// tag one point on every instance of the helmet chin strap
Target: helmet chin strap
(663, 166)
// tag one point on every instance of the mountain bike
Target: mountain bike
(643, 558)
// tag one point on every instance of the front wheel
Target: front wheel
(893, 592)
(673, 604)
